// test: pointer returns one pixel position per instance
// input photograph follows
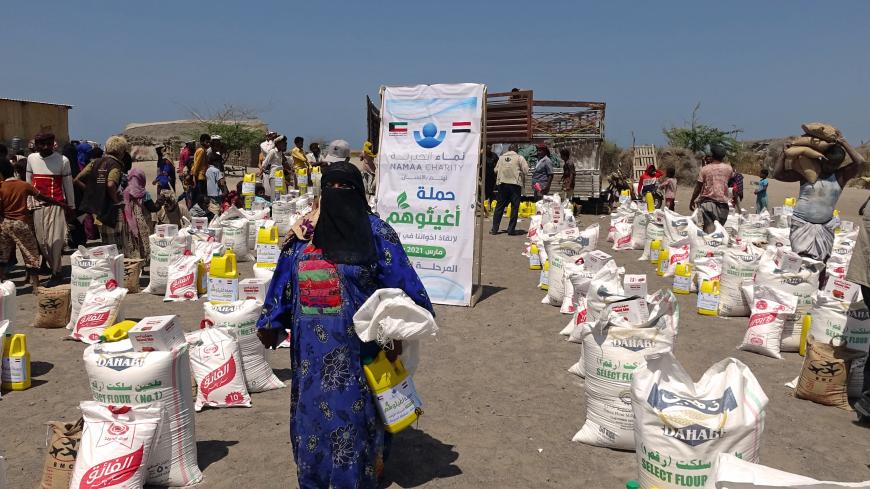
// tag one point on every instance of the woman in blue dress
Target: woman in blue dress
(335, 260)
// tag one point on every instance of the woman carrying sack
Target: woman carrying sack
(334, 260)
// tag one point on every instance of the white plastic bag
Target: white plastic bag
(803, 283)
(676, 227)
(7, 300)
(738, 264)
(163, 252)
(678, 252)
(116, 445)
(770, 307)
(841, 322)
(217, 367)
(655, 230)
(638, 230)
(234, 226)
(119, 375)
(181, 279)
(614, 348)
(390, 315)
(562, 249)
(779, 237)
(731, 472)
(241, 316)
(99, 311)
(622, 236)
(89, 266)
(711, 244)
(753, 228)
(682, 426)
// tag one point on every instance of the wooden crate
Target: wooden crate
(644, 156)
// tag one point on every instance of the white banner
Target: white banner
(427, 181)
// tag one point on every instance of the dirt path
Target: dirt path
(500, 408)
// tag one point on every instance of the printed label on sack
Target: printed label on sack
(218, 377)
(842, 290)
(113, 472)
(180, 283)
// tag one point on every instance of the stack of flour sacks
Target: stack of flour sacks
(139, 427)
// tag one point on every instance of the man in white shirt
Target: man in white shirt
(50, 173)
(510, 170)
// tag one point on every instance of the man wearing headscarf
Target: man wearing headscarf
(369, 168)
(334, 260)
(50, 173)
(102, 180)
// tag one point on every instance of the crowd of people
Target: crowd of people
(55, 198)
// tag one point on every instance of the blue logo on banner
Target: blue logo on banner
(428, 140)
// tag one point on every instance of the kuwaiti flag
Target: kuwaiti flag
(462, 126)
(398, 127)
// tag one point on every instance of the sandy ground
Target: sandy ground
(500, 408)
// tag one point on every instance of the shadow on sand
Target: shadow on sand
(417, 458)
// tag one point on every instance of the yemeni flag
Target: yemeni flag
(461, 126)
(398, 127)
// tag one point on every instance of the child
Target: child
(761, 192)
(16, 223)
(260, 194)
(669, 187)
(216, 186)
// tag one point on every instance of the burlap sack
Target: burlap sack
(825, 372)
(821, 130)
(793, 152)
(815, 143)
(62, 445)
(132, 272)
(809, 169)
(52, 307)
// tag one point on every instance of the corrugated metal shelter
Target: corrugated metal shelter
(26, 118)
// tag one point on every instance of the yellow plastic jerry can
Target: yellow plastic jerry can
(544, 282)
(117, 331)
(662, 263)
(278, 181)
(654, 247)
(249, 188)
(682, 278)
(534, 258)
(395, 394)
(805, 331)
(708, 298)
(223, 277)
(268, 249)
(650, 202)
(16, 363)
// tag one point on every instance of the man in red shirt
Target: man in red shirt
(711, 190)
(16, 226)
(50, 173)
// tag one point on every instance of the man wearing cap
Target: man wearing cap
(338, 150)
(510, 170)
(50, 173)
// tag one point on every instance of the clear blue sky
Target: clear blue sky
(763, 66)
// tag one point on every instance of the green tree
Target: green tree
(231, 124)
(697, 136)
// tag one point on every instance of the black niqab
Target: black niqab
(343, 231)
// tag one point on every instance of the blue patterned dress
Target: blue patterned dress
(336, 432)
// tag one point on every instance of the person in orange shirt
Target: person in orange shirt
(16, 224)
(200, 165)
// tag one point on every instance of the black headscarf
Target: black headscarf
(343, 231)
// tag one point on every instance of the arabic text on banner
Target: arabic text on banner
(427, 184)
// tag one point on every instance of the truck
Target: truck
(516, 117)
